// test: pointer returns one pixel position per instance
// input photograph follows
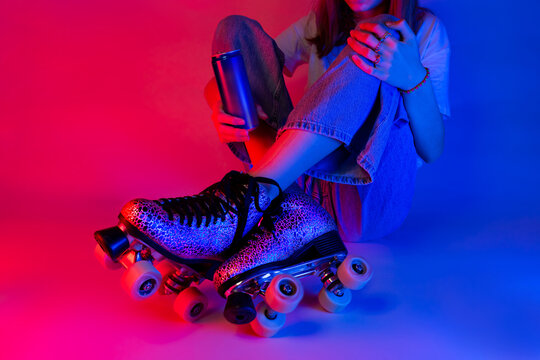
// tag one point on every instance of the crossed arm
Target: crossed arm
(397, 62)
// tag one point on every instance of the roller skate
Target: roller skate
(171, 244)
(298, 239)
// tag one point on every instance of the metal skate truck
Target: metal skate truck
(147, 271)
(299, 239)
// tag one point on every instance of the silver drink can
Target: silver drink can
(232, 81)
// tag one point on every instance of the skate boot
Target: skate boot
(186, 238)
(297, 239)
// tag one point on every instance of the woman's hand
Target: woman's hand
(395, 61)
(225, 124)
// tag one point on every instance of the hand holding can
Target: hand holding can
(234, 89)
(228, 127)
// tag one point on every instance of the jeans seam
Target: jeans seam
(342, 179)
(318, 128)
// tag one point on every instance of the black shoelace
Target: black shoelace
(237, 188)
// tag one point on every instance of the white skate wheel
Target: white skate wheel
(267, 322)
(354, 272)
(333, 303)
(284, 293)
(105, 260)
(141, 280)
(190, 304)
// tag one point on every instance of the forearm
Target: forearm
(425, 121)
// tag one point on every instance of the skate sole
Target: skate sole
(319, 254)
(204, 267)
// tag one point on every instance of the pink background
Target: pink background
(104, 99)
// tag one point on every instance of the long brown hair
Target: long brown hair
(335, 20)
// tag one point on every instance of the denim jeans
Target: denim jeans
(367, 183)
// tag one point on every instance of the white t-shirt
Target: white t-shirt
(432, 42)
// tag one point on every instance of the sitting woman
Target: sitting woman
(339, 165)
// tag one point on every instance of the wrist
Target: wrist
(415, 77)
(417, 80)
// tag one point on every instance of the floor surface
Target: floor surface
(460, 287)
